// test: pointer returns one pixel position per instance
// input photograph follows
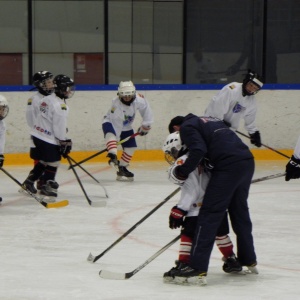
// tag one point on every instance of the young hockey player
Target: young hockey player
(185, 213)
(236, 101)
(43, 82)
(49, 136)
(117, 125)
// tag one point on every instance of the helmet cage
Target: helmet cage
(64, 86)
(43, 81)
(253, 78)
(172, 147)
(4, 108)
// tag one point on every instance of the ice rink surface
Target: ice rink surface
(44, 252)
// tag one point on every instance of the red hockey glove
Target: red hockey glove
(176, 217)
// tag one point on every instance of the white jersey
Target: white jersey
(33, 108)
(192, 192)
(230, 105)
(51, 120)
(122, 116)
(2, 136)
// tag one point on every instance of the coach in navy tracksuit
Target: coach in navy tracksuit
(228, 188)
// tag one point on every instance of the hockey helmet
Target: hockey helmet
(256, 81)
(126, 92)
(64, 86)
(4, 108)
(173, 147)
(43, 81)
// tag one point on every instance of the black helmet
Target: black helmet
(43, 82)
(254, 78)
(63, 86)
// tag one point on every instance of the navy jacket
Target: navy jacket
(210, 137)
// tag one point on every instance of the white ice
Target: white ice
(44, 252)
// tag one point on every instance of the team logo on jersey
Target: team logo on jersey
(29, 102)
(238, 108)
(140, 95)
(112, 110)
(44, 107)
(128, 120)
(232, 86)
(63, 106)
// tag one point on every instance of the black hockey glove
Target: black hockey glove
(65, 147)
(1, 160)
(292, 169)
(255, 139)
(176, 217)
(206, 164)
(144, 130)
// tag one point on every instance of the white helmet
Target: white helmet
(172, 146)
(3, 107)
(126, 88)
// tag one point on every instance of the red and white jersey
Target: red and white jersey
(122, 116)
(193, 189)
(51, 121)
(2, 136)
(230, 105)
(33, 107)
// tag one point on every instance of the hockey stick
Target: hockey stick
(83, 169)
(61, 203)
(93, 259)
(103, 151)
(119, 276)
(90, 202)
(268, 147)
(268, 177)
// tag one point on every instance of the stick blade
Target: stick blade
(58, 204)
(91, 258)
(101, 203)
(112, 275)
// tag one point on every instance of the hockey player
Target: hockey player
(293, 166)
(43, 82)
(236, 101)
(186, 211)
(232, 168)
(117, 125)
(4, 109)
(49, 137)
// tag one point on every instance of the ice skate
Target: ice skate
(168, 277)
(124, 175)
(186, 275)
(113, 160)
(28, 186)
(252, 269)
(49, 191)
(232, 265)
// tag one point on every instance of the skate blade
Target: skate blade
(48, 199)
(124, 178)
(198, 281)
